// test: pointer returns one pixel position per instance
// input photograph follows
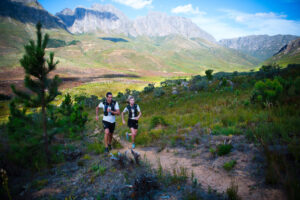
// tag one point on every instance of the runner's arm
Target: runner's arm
(138, 117)
(117, 112)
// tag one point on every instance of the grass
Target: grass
(223, 149)
(96, 147)
(232, 192)
(229, 165)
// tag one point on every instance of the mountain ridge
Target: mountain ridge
(153, 24)
(261, 47)
(20, 9)
(288, 54)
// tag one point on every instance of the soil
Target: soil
(248, 173)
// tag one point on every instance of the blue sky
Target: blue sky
(222, 19)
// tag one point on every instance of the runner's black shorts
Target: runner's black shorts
(110, 126)
(132, 123)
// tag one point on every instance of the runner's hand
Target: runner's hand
(136, 118)
(108, 109)
(124, 122)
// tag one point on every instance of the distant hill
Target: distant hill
(108, 19)
(261, 47)
(29, 11)
(288, 54)
(182, 47)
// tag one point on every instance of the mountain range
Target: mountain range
(261, 47)
(103, 36)
(108, 19)
(289, 53)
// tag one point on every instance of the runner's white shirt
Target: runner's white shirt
(132, 110)
(109, 118)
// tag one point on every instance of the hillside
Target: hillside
(290, 53)
(197, 139)
(171, 53)
(179, 48)
(110, 20)
(261, 47)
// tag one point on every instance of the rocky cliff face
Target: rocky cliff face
(160, 24)
(29, 11)
(292, 48)
(105, 18)
(108, 19)
(258, 46)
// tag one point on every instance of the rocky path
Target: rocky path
(211, 174)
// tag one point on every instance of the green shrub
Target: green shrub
(144, 138)
(199, 85)
(232, 192)
(98, 169)
(157, 120)
(96, 147)
(226, 131)
(73, 118)
(158, 92)
(149, 88)
(267, 91)
(179, 176)
(25, 138)
(208, 74)
(229, 165)
(223, 149)
(55, 43)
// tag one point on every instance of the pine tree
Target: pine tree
(43, 89)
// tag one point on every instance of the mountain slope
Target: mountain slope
(113, 51)
(108, 19)
(29, 11)
(160, 24)
(261, 47)
(289, 54)
(105, 18)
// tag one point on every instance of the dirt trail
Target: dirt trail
(208, 177)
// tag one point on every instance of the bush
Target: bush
(229, 165)
(157, 120)
(268, 71)
(199, 85)
(96, 147)
(208, 74)
(158, 92)
(73, 118)
(149, 88)
(223, 149)
(232, 192)
(124, 97)
(266, 91)
(90, 102)
(25, 137)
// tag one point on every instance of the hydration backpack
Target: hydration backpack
(135, 110)
(106, 104)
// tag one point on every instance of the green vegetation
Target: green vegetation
(224, 104)
(45, 89)
(55, 43)
(229, 165)
(232, 192)
(141, 55)
(223, 149)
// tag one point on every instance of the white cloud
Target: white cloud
(264, 23)
(187, 9)
(136, 4)
(232, 23)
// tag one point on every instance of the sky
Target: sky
(222, 19)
